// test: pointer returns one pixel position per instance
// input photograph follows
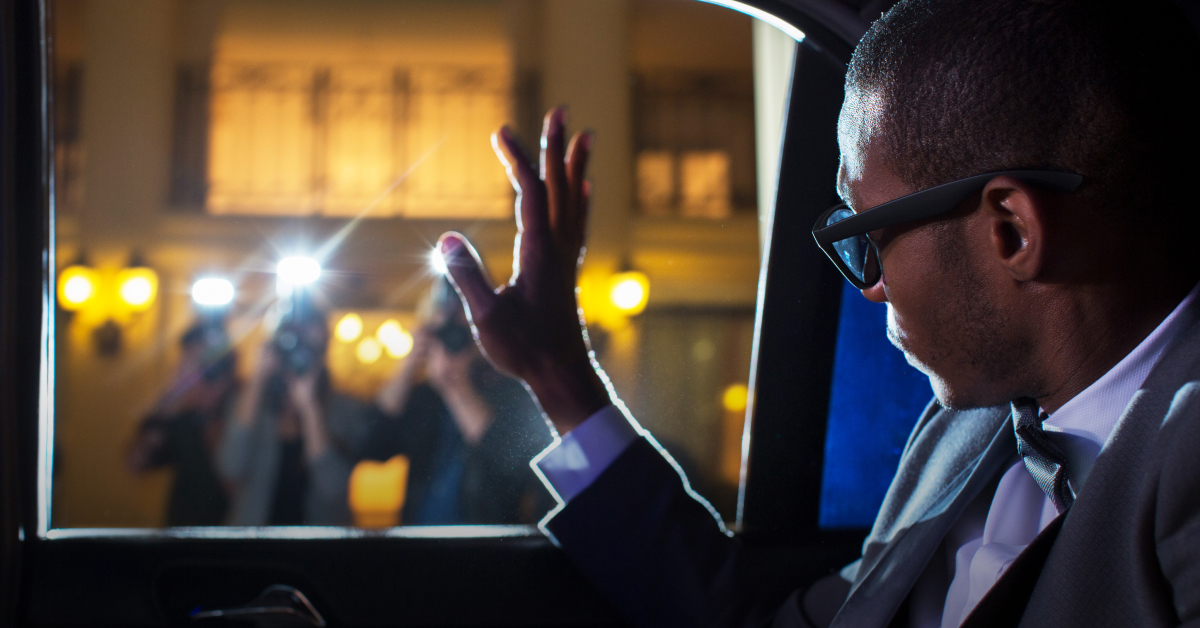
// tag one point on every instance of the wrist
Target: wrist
(569, 394)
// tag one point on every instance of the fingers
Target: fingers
(578, 155)
(580, 235)
(552, 204)
(531, 197)
(501, 138)
(553, 166)
(467, 274)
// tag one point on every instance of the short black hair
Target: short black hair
(1101, 88)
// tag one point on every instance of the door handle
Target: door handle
(278, 605)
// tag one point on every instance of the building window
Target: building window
(333, 140)
(695, 143)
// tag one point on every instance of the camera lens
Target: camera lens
(453, 336)
(287, 340)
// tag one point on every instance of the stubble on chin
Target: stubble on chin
(972, 353)
(934, 354)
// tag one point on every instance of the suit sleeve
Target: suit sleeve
(663, 558)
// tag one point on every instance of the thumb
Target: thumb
(466, 273)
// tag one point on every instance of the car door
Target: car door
(409, 575)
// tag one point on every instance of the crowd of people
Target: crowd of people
(279, 446)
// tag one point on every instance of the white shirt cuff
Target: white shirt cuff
(574, 462)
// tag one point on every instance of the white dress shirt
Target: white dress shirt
(984, 542)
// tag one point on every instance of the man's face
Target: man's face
(937, 283)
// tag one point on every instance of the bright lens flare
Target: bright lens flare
(437, 262)
(735, 397)
(395, 339)
(76, 285)
(349, 328)
(212, 292)
(298, 270)
(629, 292)
(368, 351)
(137, 287)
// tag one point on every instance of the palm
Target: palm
(530, 327)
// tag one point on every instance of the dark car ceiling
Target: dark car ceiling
(836, 25)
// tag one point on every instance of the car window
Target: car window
(875, 399)
(249, 327)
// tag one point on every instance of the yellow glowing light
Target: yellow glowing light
(349, 328)
(395, 339)
(137, 287)
(76, 286)
(735, 397)
(368, 351)
(629, 292)
(377, 492)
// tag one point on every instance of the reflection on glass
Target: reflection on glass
(251, 329)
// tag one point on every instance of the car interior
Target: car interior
(186, 184)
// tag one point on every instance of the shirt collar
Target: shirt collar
(1086, 421)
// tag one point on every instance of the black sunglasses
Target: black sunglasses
(842, 234)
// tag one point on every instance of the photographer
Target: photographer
(285, 450)
(184, 428)
(467, 430)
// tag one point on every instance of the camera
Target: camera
(295, 354)
(454, 336)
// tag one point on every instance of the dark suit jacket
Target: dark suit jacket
(1126, 554)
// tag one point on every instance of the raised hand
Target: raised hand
(530, 327)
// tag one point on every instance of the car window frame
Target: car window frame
(776, 477)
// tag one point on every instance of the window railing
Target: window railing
(292, 139)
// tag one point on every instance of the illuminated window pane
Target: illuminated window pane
(262, 140)
(656, 182)
(364, 114)
(453, 114)
(704, 184)
(300, 124)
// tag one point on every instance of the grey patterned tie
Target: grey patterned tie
(1044, 460)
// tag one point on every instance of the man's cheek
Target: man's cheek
(893, 328)
(903, 339)
(896, 333)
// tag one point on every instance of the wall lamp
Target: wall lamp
(107, 300)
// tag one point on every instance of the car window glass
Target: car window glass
(875, 399)
(249, 327)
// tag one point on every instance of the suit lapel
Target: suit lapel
(1113, 484)
(953, 457)
(1005, 602)
(1108, 517)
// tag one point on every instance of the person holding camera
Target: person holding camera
(287, 450)
(467, 430)
(185, 426)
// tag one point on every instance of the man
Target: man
(186, 425)
(287, 451)
(1017, 175)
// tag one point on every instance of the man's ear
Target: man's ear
(1016, 216)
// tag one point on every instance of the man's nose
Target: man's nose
(876, 293)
